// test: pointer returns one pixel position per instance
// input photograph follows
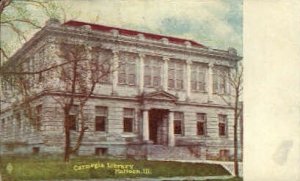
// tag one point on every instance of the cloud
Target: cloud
(215, 23)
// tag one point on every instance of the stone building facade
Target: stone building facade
(165, 100)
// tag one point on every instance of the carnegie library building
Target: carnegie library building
(165, 99)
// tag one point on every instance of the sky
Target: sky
(214, 23)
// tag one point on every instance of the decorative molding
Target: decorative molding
(189, 62)
(166, 58)
(115, 32)
(165, 41)
(188, 44)
(115, 51)
(141, 36)
(142, 55)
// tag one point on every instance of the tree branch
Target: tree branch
(4, 4)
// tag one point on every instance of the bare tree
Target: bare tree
(235, 80)
(20, 18)
(71, 81)
(78, 77)
(78, 80)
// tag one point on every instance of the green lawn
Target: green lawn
(39, 168)
(230, 179)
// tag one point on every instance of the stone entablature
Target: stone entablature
(55, 29)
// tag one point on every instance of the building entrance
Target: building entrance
(158, 126)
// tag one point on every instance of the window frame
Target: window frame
(38, 117)
(101, 151)
(126, 60)
(151, 65)
(128, 117)
(203, 121)
(179, 119)
(96, 54)
(222, 125)
(173, 83)
(220, 84)
(104, 115)
(198, 85)
(3, 126)
(73, 118)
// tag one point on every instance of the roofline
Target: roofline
(135, 32)
(55, 25)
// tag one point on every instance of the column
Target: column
(115, 70)
(142, 56)
(188, 79)
(165, 74)
(145, 125)
(210, 81)
(171, 136)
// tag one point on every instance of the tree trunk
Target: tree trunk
(67, 138)
(235, 139)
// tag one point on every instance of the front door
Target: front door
(158, 126)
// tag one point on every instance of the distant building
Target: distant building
(164, 101)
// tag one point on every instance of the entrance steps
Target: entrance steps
(161, 152)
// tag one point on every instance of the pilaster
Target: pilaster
(188, 79)
(115, 62)
(171, 136)
(141, 83)
(210, 81)
(165, 82)
(145, 125)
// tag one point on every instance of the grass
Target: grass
(46, 168)
(230, 179)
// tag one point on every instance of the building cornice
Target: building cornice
(132, 40)
(89, 34)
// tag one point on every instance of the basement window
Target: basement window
(35, 150)
(101, 151)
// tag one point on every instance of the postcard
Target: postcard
(148, 90)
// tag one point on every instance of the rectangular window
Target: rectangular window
(122, 73)
(38, 119)
(198, 77)
(201, 124)
(179, 76)
(131, 74)
(153, 72)
(127, 69)
(101, 62)
(101, 151)
(3, 125)
(178, 122)
(73, 122)
(18, 120)
(222, 125)
(101, 118)
(128, 119)
(224, 154)
(176, 75)
(194, 78)
(157, 77)
(35, 150)
(220, 83)
(147, 74)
